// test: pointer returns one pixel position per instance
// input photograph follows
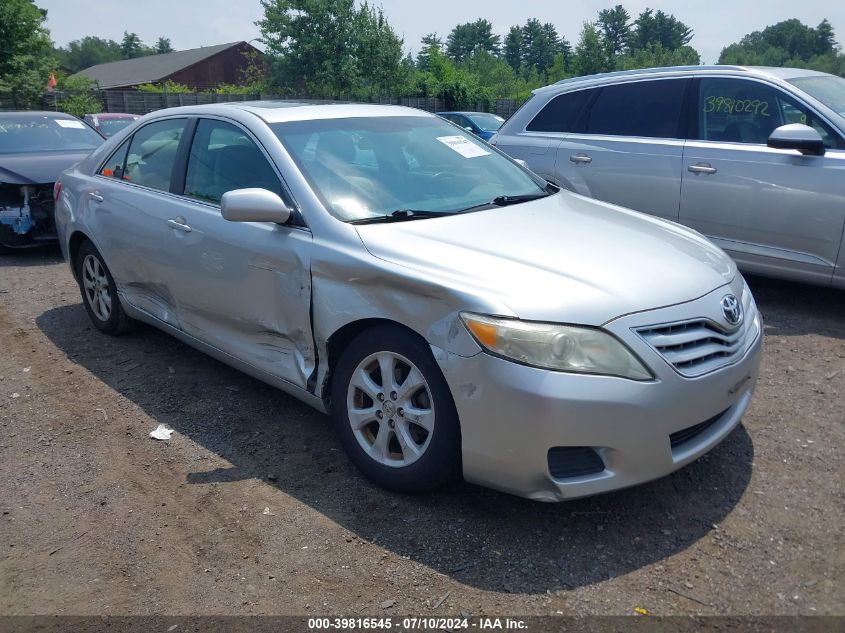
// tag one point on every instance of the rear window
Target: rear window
(40, 133)
(650, 109)
(561, 113)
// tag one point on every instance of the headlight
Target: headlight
(582, 350)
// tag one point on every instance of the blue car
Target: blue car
(482, 124)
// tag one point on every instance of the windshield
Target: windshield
(113, 126)
(487, 122)
(829, 90)
(40, 133)
(372, 167)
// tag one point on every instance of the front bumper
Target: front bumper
(512, 415)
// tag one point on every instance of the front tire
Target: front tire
(99, 292)
(394, 413)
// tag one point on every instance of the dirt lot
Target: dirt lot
(97, 518)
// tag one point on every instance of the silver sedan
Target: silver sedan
(456, 314)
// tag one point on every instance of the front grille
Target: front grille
(574, 461)
(699, 346)
(683, 436)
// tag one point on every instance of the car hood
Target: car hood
(565, 258)
(37, 169)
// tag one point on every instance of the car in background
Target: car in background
(457, 314)
(753, 158)
(482, 124)
(35, 147)
(109, 123)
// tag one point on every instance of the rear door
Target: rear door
(628, 145)
(774, 211)
(242, 287)
(135, 212)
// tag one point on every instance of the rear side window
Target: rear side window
(115, 166)
(561, 113)
(152, 153)
(650, 109)
(224, 158)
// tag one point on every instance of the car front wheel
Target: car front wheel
(394, 412)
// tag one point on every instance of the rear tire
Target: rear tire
(99, 292)
(394, 412)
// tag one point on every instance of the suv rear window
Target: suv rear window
(561, 113)
(650, 109)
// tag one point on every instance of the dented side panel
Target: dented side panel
(245, 288)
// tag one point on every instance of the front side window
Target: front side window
(742, 111)
(369, 168)
(224, 158)
(152, 153)
(650, 109)
(827, 89)
(561, 113)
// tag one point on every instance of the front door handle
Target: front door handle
(580, 158)
(179, 224)
(95, 196)
(702, 168)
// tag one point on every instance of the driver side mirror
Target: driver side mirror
(254, 205)
(798, 137)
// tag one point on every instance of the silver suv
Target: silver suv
(754, 158)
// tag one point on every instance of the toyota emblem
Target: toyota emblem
(732, 309)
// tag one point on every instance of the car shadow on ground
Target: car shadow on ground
(36, 256)
(793, 309)
(476, 536)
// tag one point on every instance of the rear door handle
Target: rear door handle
(580, 158)
(179, 224)
(702, 168)
(95, 196)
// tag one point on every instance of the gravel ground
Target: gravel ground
(252, 508)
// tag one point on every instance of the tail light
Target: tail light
(57, 190)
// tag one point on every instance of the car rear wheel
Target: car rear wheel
(394, 412)
(99, 292)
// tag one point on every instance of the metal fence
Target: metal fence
(139, 102)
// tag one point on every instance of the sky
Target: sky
(190, 24)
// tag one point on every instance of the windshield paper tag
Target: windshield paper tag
(70, 123)
(463, 146)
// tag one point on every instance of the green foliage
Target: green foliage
(81, 103)
(427, 43)
(327, 47)
(467, 38)
(87, 52)
(26, 52)
(651, 28)
(788, 43)
(654, 55)
(163, 46)
(591, 53)
(167, 86)
(132, 47)
(615, 27)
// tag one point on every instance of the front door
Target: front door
(774, 211)
(242, 287)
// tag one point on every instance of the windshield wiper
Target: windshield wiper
(403, 215)
(503, 201)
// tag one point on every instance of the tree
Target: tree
(513, 48)
(131, 46)
(330, 47)
(659, 28)
(87, 52)
(590, 52)
(427, 43)
(467, 38)
(540, 44)
(788, 43)
(163, 46)
(654, 55)
(26, 52)
(615, 27)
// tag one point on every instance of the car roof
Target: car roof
(284, 111)
(114, 115)
(462, 112)
(680, 71)
(28, 114)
